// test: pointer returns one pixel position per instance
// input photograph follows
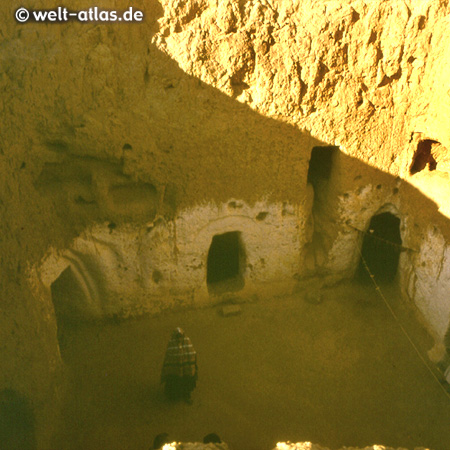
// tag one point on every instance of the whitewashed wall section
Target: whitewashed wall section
(273, 236)
(355, 211)
(423, 272)
(163, 264)
(426, 281)
(131, 270)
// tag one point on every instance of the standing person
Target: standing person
(179, 372)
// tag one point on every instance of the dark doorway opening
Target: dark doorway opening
(320, 164)
(16, 422)
(226, 261)
(381, 248)
(324, 201)
(67, 296)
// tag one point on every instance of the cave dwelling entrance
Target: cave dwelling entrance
(225, 263)
(381, 248)
(67, 296)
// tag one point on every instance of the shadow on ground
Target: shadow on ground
(339, 372)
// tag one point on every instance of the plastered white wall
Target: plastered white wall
(163, 264)
(426, 280)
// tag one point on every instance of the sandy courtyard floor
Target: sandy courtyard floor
(340, 372)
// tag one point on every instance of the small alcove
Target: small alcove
(423, 157)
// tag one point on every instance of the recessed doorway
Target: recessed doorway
(226, 262)
(67, 296)
(381, 248)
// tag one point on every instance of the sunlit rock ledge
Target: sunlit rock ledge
(279, 446)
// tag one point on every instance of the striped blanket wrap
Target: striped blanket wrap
(181, 358)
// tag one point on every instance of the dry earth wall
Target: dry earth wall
(107, 128)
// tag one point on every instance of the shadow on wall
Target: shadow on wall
(214, 149)
(16, 422)
(190, 142)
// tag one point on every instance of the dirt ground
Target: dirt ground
(339, 372)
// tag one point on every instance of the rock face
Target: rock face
(280, 128)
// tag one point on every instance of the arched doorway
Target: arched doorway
(226, 262)
(67, 297)
(381, 248)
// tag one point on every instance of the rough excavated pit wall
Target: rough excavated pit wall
(106, 128)
(371, 77)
